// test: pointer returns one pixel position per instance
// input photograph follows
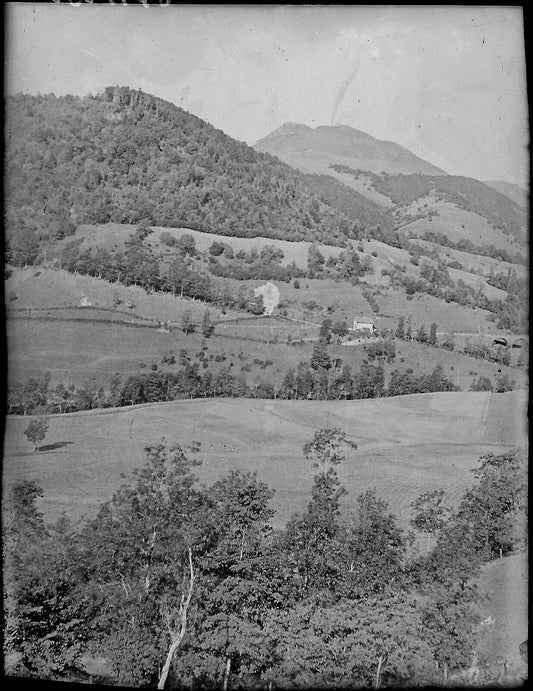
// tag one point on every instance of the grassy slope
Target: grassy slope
(45, 288)
(475, 263)
(504, 585)
(75, 351)
(407, 445)
(112, 236)
(456, 223)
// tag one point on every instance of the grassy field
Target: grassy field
(75, 352)
(456, 223)
(406, 445)
(46, 288)
(113, 235)
(475, 263)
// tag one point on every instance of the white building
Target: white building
(364, 324)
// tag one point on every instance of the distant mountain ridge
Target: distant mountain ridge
(312, 150)
(516, 193)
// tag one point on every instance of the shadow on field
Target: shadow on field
(53, 447)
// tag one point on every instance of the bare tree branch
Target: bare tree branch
(178, 635)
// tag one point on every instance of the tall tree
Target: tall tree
(207, 326)
(37, 430)
(430, 513)
(320, 359)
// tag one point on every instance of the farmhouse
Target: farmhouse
(363, 324)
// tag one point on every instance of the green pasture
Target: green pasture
(456, 223)
(406, 445)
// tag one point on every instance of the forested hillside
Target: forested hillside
(124, 157)
(465, 193)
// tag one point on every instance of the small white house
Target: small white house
(364, 324)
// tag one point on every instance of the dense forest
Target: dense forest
(367, 216)
(176, 584)
(123, 156)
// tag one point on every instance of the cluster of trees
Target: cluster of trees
(479, 350)
(369, 219)
(508, 281)
(124, 156)
(502, 383)
(405, 331)
(139, 266)
(179, 584)
(510, 314)
(322, 378)
(466, 245)
(262, 265)
(408, 382)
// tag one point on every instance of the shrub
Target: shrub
(168, 239)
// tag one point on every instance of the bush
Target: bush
(168, 239)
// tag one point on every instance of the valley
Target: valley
(363, 439)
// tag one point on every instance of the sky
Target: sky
(446, 82)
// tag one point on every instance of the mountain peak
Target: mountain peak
(314, 149)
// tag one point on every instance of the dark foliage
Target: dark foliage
(127, 157)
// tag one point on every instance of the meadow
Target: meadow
(406, 445)
(75, 352)
(456, 223)
(112, 236)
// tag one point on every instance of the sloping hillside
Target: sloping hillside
(464, 193)
(517, 194)
(312, 150)
(124, 157)
(406, 445)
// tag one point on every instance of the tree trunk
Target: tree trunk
(377, 680)
(177, 636)
(226, 674)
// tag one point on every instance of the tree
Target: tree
(140, 553)
(315, 261)
(325, 330)
(36, 430)
(400, 329)
(308, 543)
(421, 334)
(373, 550)
(340, 328)
(431, 515)
(216, 248)
(326, 449)
(432, 336)
(255, 304)
(45, 611)
(320, 359)
(207, 326)
(187, 324)
(186, 245)
(482, 383)
(176, 622)
(177, 274)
